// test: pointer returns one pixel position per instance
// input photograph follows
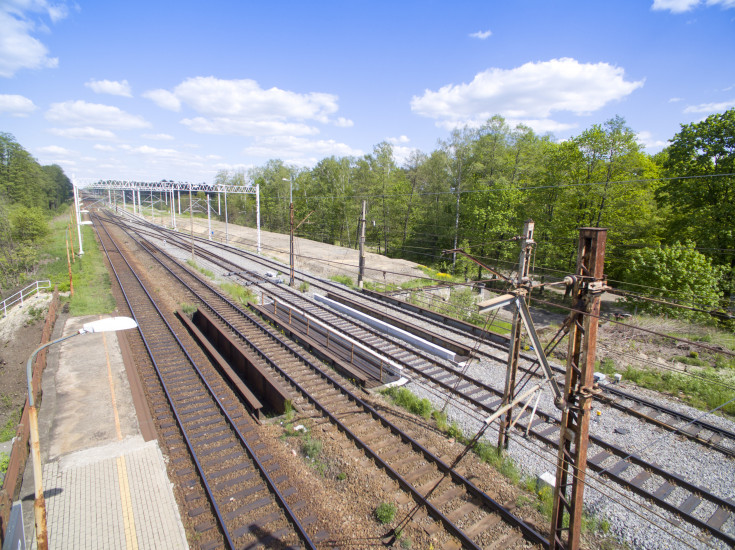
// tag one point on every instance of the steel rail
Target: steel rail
(528, 531)
(251, 453)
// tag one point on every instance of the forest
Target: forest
(670, 216)
(30, 194)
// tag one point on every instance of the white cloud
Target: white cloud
(164, 99)
(399, 139)
(16, 105)
(343, 122)
(85, 132)
(674, 6)
(55, 150)
(242, 107)
(529, 93)
(676, 99)
(106, 148)
(681, 6)
(710, 107)
(299, 150)
(402, 154)
(237, 126)
(159, 137)
(482, 35)
(112, 87)
(18, 48)
(81, 113)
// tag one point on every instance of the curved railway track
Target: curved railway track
(247, 498)
(472, 516)
(699, 507)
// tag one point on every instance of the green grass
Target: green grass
(343, 279)
(240, 294)
(92, 294)
(385, 512)
(304, 286)
(188, 309)
(203, 270)
(4, 462)
(7, 432)
(704, 390)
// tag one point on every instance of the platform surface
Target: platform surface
(105, 486)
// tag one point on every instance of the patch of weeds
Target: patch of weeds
(188, 309)
(4, 462)
(406, 542)
(35, 314)
(238, 293)
(7, 401)
(689, 360)
(341, 476)
(404, 398)
(288, 411)
(8, 431)
(499, 460)
(385, 512)
(311, 447)
(343, 279)
(304, 286)
(203, 270)
(441, 420)
(607, 366)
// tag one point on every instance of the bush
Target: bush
(386, 512)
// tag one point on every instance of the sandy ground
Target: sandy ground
(320, 259)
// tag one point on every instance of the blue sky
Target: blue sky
(180, 90)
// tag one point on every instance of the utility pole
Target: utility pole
(191, 223)
(579, 389)
(209, 221)
(527, 244)
(291, 278)
(361, 271)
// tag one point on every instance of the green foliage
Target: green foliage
(341, 476)
(677, 271)
(240, 294)
(7, 432)
(311, 447)
(4, 463)
(404, 398)
(304, 286)
(385, 512)
(703, 210)
(188, 309)
(343, 279)
(203, 270)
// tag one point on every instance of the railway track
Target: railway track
(238, 496)
(469, 514)
(697, 506)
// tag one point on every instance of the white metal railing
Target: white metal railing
(24, 293)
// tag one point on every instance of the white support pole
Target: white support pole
(219, 209)
(209, 221)
(173, 211)
(257, 212)
(179, 192)
(227, 235)
(151, 206)
(109, 198)
(140, 206)
(125, 203)
(79, 215)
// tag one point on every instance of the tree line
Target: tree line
(29, 195)
(674, 210)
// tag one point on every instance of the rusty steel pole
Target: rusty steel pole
(579, 390)
(524, 261)
(361, 261)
